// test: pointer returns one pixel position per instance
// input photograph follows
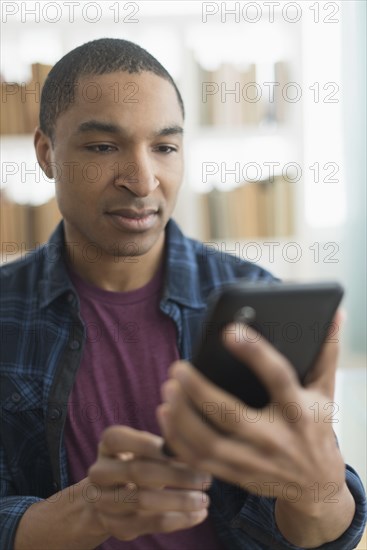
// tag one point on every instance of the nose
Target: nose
(137, 175)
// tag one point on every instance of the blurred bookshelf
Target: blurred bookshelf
(247, 106)
(24, 225)
(232, 101)
(238, 117)
(20, 102)
(259, 210)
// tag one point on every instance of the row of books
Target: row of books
(20, 102)
(259, 210)
(24, 227)
(234, 97)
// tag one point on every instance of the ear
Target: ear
(43, 147)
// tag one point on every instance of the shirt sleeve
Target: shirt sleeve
(12, 506)
(257, 519)
(11, 510)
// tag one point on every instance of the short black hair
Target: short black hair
(105, 55)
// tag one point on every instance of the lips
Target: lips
(133, 220)
(129, 213)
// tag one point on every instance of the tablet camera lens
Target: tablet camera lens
(246, 314)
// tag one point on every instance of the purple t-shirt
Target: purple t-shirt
(129, 346)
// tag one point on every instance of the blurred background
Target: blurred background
(275, 140)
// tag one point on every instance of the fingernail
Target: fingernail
(200, 499)
(199, 514)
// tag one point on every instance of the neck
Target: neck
(117, 274)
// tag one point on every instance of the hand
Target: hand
(286, 450)
(132, 476)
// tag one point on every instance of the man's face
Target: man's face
(118, 161)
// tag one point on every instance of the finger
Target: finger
(172, 500)
(252, 480)
(188, 439)
(322, 375)
(216, 407)
(111, 472)
(118, 501)
(123, 439)
(272, 368)
(193, 437)
(157, 501)
(144, 523)
(225, 458)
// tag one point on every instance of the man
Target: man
(92, 323)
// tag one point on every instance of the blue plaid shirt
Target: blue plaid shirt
(42, 339)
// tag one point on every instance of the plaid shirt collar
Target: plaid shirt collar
(182, 285)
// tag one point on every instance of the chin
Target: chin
(133, 246)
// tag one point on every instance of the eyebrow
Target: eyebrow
(109, 128)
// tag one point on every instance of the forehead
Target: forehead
(124, 98)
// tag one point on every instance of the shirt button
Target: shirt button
(74, 345)
(55, 414)
(55, 486)
(71, 298)
(16, 397)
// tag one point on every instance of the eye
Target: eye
(101, 148)
(166, 149)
